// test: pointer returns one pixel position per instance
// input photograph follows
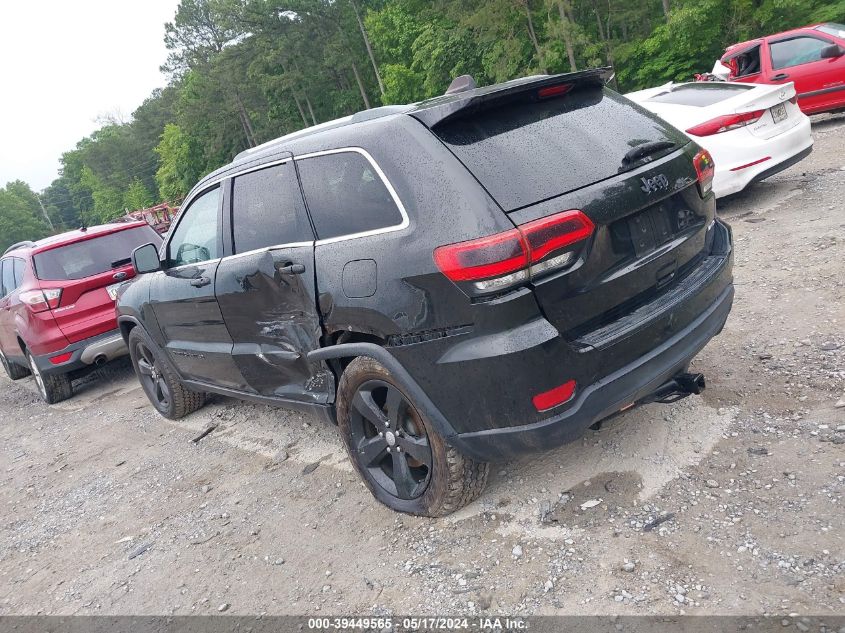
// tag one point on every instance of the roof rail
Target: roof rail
(24, 244)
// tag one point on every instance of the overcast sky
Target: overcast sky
(64, 63)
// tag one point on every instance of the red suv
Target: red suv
(57, 317)
(813, 58)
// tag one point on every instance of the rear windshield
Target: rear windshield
(701, 94)
(527, 152)
(832, 28)
(93, 256)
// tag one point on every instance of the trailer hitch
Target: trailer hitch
(679, 387)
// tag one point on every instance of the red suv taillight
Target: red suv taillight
(706, 169)
(725, 123)
(509, 258)
(41, 300)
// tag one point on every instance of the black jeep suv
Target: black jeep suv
(453, 282)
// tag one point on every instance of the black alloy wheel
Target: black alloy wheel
(390, 441)
(152, 378)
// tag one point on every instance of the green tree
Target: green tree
(20, 215)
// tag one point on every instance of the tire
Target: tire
(13, 370)
(52, 387)
(163, 388)
(381, 427)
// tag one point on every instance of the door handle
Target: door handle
(780, 77)
(292, 269)
(199, 283)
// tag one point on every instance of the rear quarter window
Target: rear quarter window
(92, 256)
(346, 195)
(527, 152)
(7, 277)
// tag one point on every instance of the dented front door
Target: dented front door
(267, 298)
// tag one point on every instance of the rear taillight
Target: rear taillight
(706, 169)
(794, 100)
(725, 123)
(500, 261)
(41, 300)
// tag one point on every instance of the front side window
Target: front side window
(346, 195)
(267, 209)
(797, 51)
(196, 237)
(746, 63)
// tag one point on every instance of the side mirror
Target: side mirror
(832, 51)
(145, 259)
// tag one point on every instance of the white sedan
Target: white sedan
(752, 130)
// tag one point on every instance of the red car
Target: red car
(813, 58)
(57, 317)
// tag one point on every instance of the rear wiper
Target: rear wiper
(121, 262)
(641, 151)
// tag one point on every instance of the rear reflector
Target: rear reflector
(41, 300)
(756, 162)
(554, 91)
(706, 170)
(509, 258)
(61, 358)
(554, 397)
(725, 123)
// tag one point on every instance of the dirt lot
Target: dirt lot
(727, 503)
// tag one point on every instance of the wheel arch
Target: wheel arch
(126, 325)
(345, 353)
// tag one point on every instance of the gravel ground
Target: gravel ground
(729, 503)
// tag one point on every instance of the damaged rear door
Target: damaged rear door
(266, 289)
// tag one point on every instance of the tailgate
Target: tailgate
(592, 150)
(87, 272)
(86, 306)
(646, 239)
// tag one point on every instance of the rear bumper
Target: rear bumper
(84, 354)
(785, 150)
(630, 384)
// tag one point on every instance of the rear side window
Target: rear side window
(92, 256)
(526, 152)
(346, 195)
(19, 270)
(797, 51)
(267, 209)
(7, 277)
(701, 94)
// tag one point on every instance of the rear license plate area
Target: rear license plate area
(779, 113)
(650, 228)
(646, 231)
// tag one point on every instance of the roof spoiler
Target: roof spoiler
(449, 106)
(24, 244)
